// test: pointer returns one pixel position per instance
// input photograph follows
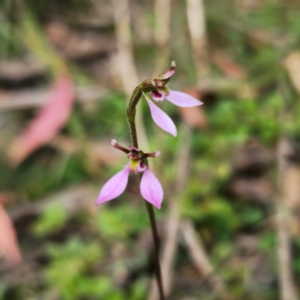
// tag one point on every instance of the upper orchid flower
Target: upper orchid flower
(161, 93)
(150, 187)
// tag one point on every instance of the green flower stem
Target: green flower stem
(145, 86)
(132, 127)
(155, 236)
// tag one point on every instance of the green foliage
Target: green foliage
(68, 270)
(98, 123)
(248, 215)
(236, 120)
(139, 289)
(53, 218)
(222, 250)
(214, 215)
(267, 241)
(73, 273)
(121, 221)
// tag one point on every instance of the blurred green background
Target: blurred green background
(225, 171)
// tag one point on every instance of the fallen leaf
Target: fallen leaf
(9, 248)
(47, 123)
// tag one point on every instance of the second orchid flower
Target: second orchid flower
(150, 187)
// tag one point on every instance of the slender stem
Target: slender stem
(156, 248)
(132, 127)
(145, 86)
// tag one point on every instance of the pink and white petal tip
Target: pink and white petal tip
(151, 189)
(162, 119)
(114, 187)
(182, 99)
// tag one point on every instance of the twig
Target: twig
(162, 11)
(292, 65)
(286, 281)
(36, 98)
(197, 28)
(125, 57)
(199, 256)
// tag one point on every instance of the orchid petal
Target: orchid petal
(114, 187)
(160, 93)
(162, 119)
(182, 99)
(158, 96)
(169, 73)
(166, 75)
(151, 189)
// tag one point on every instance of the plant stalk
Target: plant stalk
(145, 86)
(156, 248)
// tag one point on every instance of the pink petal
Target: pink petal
(151, 189)
(114, 187)
(182, 99)
(162, 119)
(169, 73)
(48, 122)
(166, 75)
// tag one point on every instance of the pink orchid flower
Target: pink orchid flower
(150, 187)
(164, 93)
